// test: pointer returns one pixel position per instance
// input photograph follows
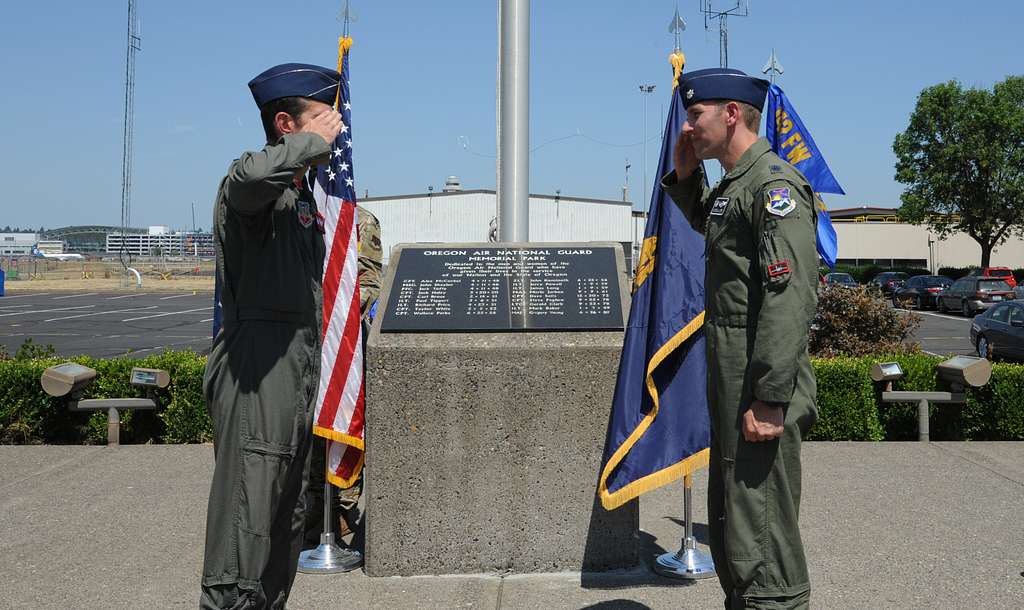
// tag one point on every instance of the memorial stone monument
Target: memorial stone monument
(490, 374)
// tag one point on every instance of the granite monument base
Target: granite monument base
(483, 452)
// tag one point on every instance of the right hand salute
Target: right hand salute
(327, 125)
(683, 156)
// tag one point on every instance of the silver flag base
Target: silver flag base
(329, 558)
(690, 563)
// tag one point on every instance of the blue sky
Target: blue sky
(423, 74)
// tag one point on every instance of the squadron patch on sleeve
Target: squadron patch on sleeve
(779, 202)
(720, 206)
(305, 213)
(778, 268)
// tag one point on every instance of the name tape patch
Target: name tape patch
(778, 268)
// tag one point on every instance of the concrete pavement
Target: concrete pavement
(886, 525)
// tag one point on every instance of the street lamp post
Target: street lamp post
(645, 91)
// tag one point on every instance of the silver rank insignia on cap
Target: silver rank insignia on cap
(689, 94)
(779, 202)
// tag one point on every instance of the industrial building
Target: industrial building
(161, 241)
(875, 236)
(455, 215)
(17, 244)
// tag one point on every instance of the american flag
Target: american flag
(340, 398)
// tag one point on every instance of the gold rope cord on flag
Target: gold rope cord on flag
(344, 44)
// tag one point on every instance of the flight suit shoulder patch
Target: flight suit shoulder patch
(719, 207)
(779, 201)
(305, 213)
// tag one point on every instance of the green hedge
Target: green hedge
(849, 405)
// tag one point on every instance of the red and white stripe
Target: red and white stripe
(339, 414)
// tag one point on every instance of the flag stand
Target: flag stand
(328, 557)
(690, 563)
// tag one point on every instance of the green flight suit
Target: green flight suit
(371, 262)
(262, 375)
(759, 228)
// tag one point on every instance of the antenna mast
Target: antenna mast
(347, 16)
(773, 67)
(134, 45)
(742, 9)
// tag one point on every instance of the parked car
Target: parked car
(999, 332)
(920, 291)
(842, 280)
(887, 281)
(1003, 273)
(974, 293)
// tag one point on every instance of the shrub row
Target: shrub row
(848, 403)
(29, 415)
(850, 407)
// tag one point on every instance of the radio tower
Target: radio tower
(742, 9)
(134, 44)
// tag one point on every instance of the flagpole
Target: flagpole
(514, 121)
(328, 557)
(689, 563)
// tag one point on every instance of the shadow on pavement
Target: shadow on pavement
(643, 574)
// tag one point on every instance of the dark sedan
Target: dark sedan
(887, 281)
(920, 291)
(843, 280)
(999, 332)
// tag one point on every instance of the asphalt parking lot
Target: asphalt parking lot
(108, 324)
(115, 324)
(944, 334)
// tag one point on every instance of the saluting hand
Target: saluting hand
(683, 156)
(327, 124)
(762, 422)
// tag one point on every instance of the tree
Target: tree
(962, 159)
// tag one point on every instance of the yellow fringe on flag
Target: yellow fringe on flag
(666, 475)
(346, 483)
(340, 437)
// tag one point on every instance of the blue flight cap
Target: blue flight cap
(722, 84)
(295, 80)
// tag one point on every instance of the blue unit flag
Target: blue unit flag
(790, 140)
(659, 429)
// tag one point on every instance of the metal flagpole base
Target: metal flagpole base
(329, 558)
(690, 563)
